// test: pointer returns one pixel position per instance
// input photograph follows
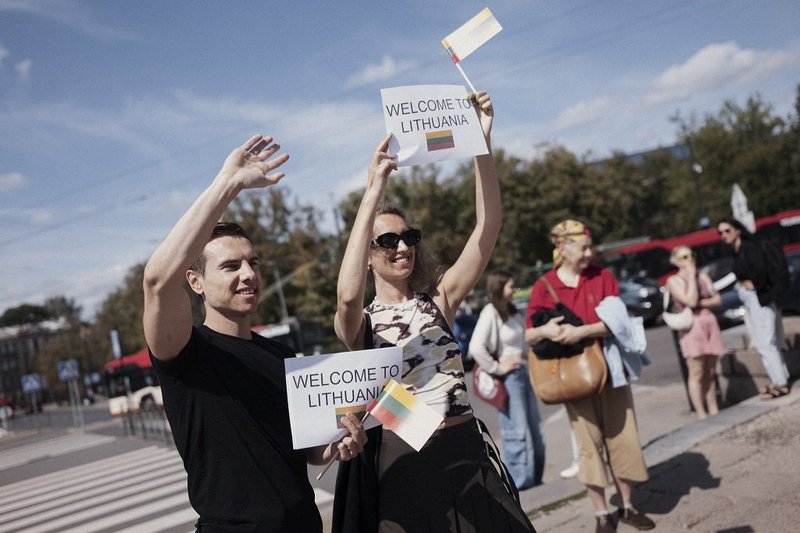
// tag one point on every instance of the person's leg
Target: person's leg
(628, 513)
(571, 470)
(515, 432)
(763, 319)
(597, 495)
(710, 383)
(694, 383)
(624, 452)
(536, 429)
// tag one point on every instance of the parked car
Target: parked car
(6, 407)
(790, 301)
(643, 297)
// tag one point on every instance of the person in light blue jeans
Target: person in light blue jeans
(498, 346)
(758, 294)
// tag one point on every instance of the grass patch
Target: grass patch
(550, 507)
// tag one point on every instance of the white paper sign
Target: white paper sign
(322, 388)
(431, 123)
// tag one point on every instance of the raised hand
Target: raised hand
(249, 166)
(382, 164)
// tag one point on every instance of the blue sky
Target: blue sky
(115, 115)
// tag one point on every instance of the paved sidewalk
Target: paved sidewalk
(738, 472)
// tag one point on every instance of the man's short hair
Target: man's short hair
(221, 229)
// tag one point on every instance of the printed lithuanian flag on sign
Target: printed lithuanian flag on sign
(357, 410)
(440, 140)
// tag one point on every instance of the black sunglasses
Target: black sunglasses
(390, 240)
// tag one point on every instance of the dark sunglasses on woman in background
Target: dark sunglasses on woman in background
(390, 240)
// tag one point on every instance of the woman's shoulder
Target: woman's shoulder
(550, 276)
(594, 271)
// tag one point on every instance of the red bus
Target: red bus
(651, 258)
(132, 384)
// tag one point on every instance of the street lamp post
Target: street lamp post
(696, 169)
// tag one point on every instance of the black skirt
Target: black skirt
(449, 485)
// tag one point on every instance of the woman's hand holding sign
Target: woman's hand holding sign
(483, 105)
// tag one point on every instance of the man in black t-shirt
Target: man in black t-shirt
(224, 387)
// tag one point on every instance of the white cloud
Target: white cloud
(75, 15)
(4, 53)
(353, 183)
(23, 68)
(386, 69)
(27, 216)
(11, 181)
(583, 112)
(715, 66)
(40, 216)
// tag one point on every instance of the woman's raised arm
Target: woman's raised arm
(349, 319)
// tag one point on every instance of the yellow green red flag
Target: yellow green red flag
(403, 413)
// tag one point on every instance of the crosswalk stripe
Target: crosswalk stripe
(51, 448)
(130, 514)
(93, 471)
(164, 522)
(70, 495)
(322, 496)
(138, 491)
(68, 515)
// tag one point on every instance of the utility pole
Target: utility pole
(696, 169)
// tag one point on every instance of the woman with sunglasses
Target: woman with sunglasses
(701, 345)
(753, 289)
(449, 485)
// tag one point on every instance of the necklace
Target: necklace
(398, 320)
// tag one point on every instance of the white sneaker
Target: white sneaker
(572, 471)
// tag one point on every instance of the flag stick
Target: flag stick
(336, 455)
(464, 74)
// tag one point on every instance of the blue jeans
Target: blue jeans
(521, 431)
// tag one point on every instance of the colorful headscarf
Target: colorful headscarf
(568, 230)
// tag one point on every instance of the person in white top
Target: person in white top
(498, 346)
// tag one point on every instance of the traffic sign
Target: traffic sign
(68, 370)
(31, 382)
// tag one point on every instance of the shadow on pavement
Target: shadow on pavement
(671, 481)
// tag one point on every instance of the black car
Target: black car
(790, 301)
(643, 297)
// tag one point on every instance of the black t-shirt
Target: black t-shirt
(750, 264)
(225, 399)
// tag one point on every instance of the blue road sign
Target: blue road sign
(31, 382)
(68, 370)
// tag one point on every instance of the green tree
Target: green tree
(24, 314)
(121, 311)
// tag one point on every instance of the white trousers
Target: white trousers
(763, 322)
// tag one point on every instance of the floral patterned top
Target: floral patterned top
(432, 365)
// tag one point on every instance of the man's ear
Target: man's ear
(195, 282)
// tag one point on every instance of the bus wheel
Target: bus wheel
(147, 404)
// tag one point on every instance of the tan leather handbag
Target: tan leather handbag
(564, 379)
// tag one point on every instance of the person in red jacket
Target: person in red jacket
(605, 424)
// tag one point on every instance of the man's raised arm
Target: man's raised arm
(167, 308)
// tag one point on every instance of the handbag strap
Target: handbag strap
(493, 454)
(368, 339)
(551, 290)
